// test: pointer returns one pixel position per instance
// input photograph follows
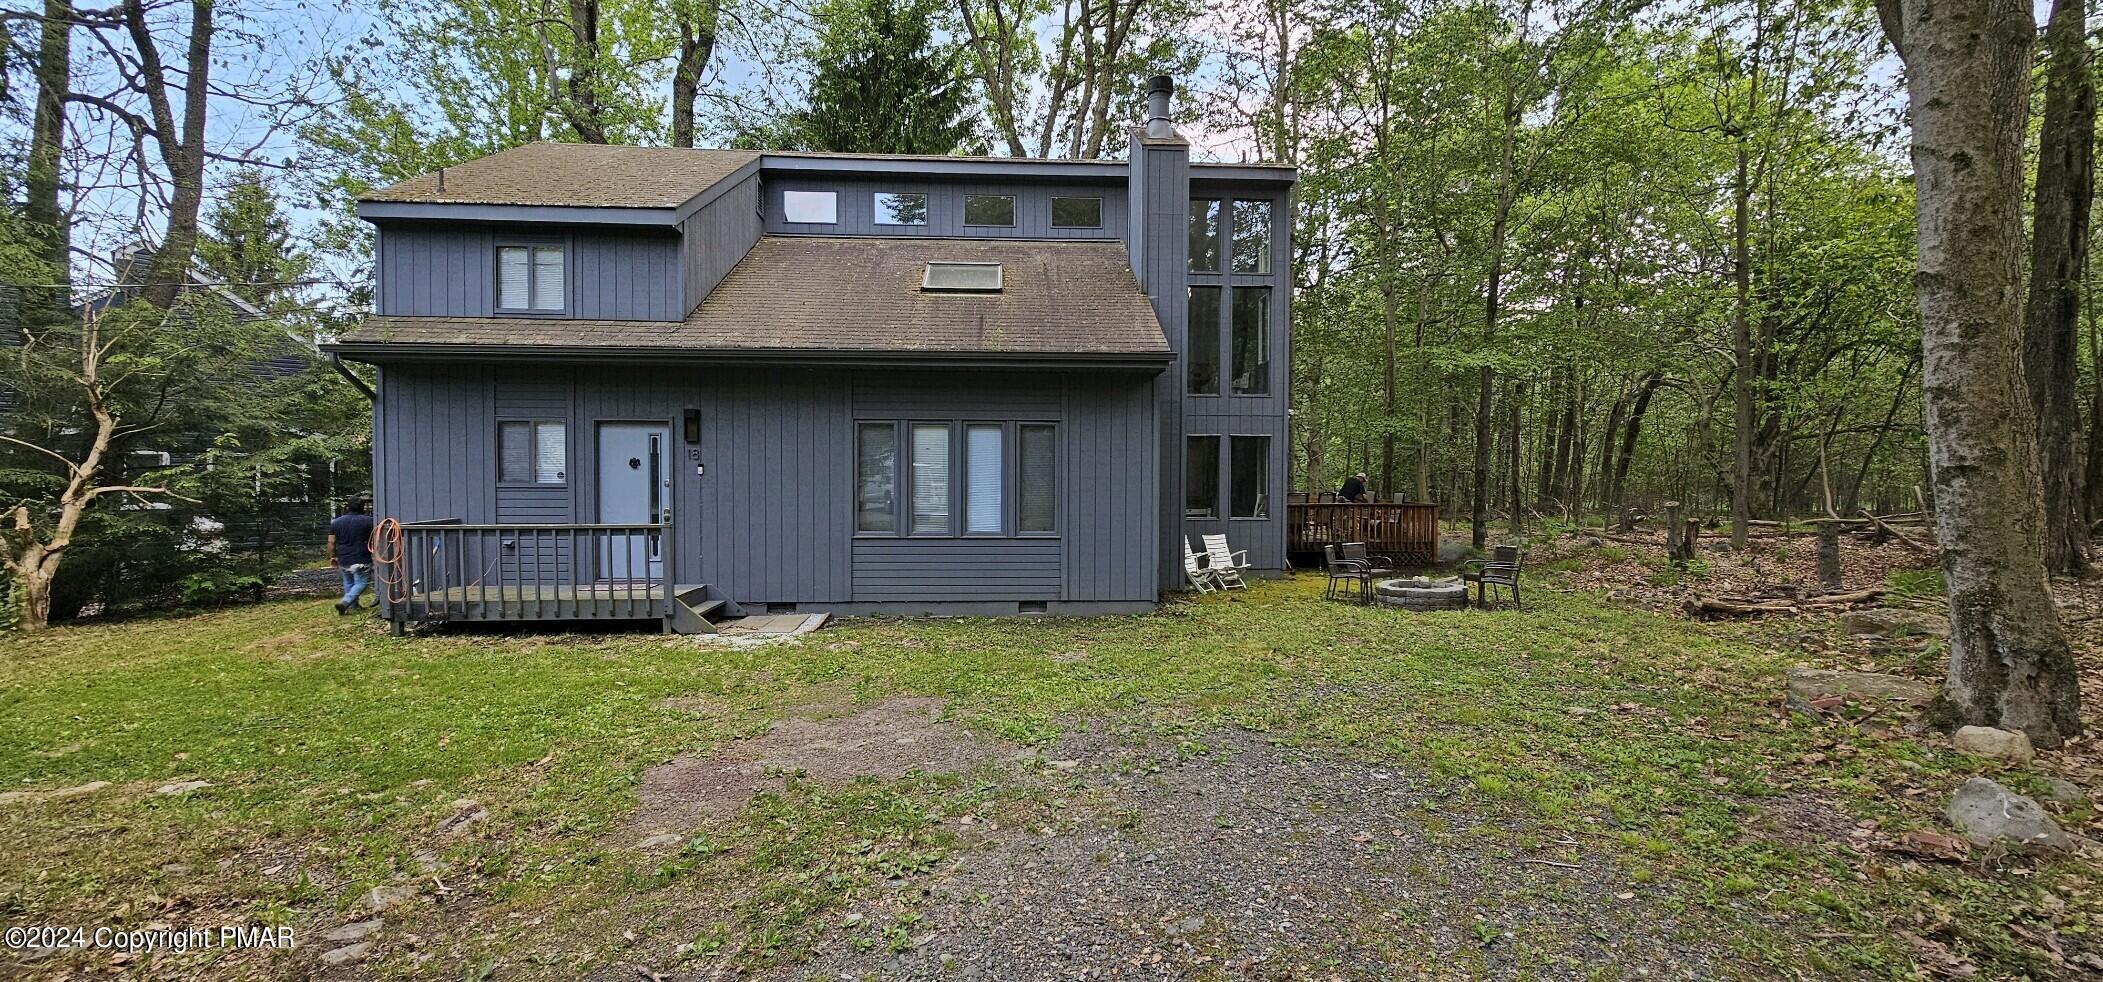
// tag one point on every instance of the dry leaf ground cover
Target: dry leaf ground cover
(1256, 785)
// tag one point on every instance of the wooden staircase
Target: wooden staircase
(695, 610)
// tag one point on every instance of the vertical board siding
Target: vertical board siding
(945, 206)
(434, 452)
(715, 237)
(1160, 179)
(1109, 487)
(450, 271)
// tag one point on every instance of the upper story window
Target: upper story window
(1252, 236)
(989, 209)
(1076, 212)
(529, 278)
(900, 209)
(810, 207)
(1204, 236)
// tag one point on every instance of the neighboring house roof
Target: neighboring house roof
(579, 175)
(806, 296)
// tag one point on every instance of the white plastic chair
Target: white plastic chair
(1226, 563)
(1202, 579)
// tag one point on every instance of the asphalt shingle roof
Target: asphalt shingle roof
(859, 294)
(574, 175)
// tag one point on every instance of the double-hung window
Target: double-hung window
(530, 279)
(532, 451)
(955, 478)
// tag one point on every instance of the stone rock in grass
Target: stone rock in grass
(1812, 690)
(348, 954)
(182, 787)
(1985, 741)
(79, 789)
(466, 812)
(1989, 814)
(2060, 791)
(659, 841)
(1895, 622)
(354, 931)
(380, 898)
(10, 797)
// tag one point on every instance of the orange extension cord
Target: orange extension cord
(386, 548)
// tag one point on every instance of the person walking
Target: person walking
(350, 551)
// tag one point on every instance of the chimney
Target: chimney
(441, 182)
(1159, 90)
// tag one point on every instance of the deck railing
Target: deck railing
(1407, 532)
(446, 570)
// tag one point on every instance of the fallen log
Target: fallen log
(1904, 539)
(1699, 606)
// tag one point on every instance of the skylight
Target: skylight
(956, 277)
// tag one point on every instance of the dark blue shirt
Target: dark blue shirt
(353, 532)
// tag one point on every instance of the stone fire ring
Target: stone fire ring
(1417, 593)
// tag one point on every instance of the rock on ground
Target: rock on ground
(347, 954)
(183, 787)
(1989, 814)
(382, 897)
(1986, 741)
(1811, 688)
(354, 931)
(1894, 622)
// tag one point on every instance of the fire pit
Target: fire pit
(1422, 593)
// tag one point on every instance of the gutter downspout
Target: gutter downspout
(336, 362)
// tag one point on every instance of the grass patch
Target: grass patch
(334, 752)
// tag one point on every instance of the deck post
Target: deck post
(668, 571)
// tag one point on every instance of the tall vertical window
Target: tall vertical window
(1204, 236)
(983, 478)
(1249, 476)
(532, 452)
(931, 479)
(876, 478)
(1252, 340)
(1037, 477)
(900, 209)
(1201, 477)
(1203, 341)
(1252, 236)
(529, 278)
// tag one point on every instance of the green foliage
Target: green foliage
(884, 80)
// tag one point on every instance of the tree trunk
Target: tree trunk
(2058, 257)
(47, 222)
(1968, 95)
(1634, 431)
(182, 145)
(1741, 349)
(1829, 556)
(697, 44)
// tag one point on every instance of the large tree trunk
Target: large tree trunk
(181, 144)
(46, 133)
(2058, 256)
(1741, 351)
(697, 44)
(1968, 88)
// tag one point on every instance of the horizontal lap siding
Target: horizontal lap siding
(956, 570)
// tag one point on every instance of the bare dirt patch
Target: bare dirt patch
(885, 740)
(1802, 820)
(1261, 861)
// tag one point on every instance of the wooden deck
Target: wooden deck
(1406, 533)
(644, 600)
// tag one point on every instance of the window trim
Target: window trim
(496, 274)
(1219, 460)
(533, 425)
(876, 210)
(833, 192)
(959, 478)
(1222, 234)
(1014, 212)
(1051, 216)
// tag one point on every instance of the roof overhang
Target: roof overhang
(914, 167)
(1146, 363)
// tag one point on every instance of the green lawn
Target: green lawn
(334, 750)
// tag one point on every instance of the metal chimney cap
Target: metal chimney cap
(1160, 83)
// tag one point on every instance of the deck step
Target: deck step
(693, 612)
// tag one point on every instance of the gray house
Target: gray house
(639, 383)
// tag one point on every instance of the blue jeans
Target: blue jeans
(355, 580)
